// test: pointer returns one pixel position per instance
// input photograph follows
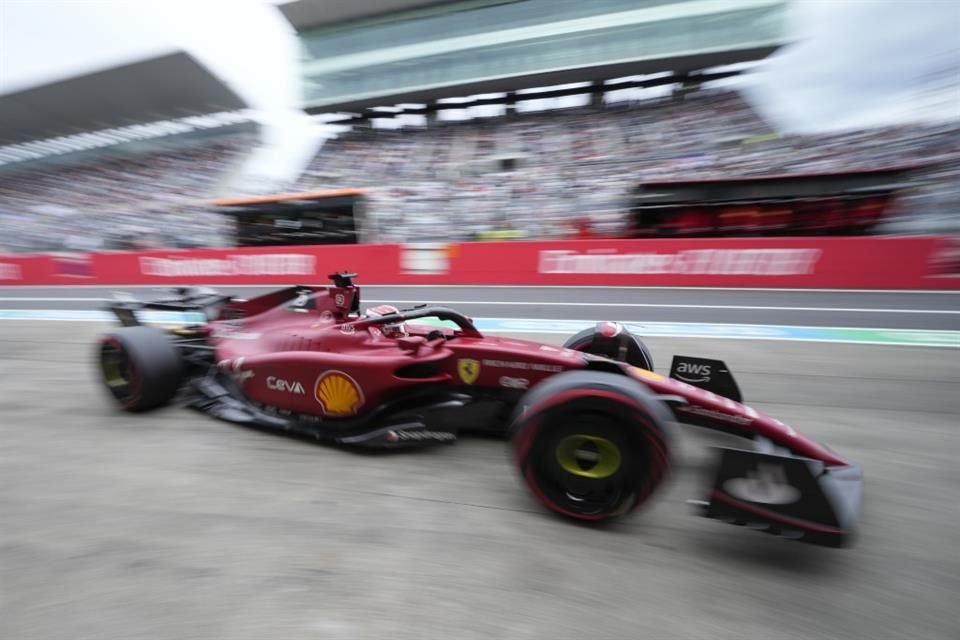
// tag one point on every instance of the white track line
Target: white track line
(747, 325)
(38, 299)
(639, 305)
(550, 287)
(653, 305)
(691, 332)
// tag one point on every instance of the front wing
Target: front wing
(793, 497)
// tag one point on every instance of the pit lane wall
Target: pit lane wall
(928, 262)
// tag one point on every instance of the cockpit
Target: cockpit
(340, 305)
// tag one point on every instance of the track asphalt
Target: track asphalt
(172, 525)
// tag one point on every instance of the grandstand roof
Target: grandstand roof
(494, 46)
(165, 87)
(307, 14)
(679, 64)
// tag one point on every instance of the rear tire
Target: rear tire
(591, 445)
(592, 341)
(140, 367)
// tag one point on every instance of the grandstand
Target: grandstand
(467, 151)
(419, 53)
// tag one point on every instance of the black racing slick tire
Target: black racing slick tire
(610, 340)
(591, 445)
(140, 367)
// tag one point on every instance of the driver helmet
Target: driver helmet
(393, 329)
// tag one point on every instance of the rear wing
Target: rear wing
(184, 300)
(211, 305)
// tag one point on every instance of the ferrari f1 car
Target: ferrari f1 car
(590, 423)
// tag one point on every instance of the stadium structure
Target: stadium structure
(362, 55)
(369, 61)
(419, 52)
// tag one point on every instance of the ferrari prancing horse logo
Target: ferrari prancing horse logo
(468, 370)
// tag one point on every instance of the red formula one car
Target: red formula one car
(589, 422)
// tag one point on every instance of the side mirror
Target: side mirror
(342, 279)
(411, 343)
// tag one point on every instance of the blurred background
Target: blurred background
(131, 125)
(744, 137)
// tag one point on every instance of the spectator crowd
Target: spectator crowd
(118, 200)
(534, 175)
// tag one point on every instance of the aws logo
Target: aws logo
(692, 372)
(338, 394)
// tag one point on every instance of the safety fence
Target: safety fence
(884, 262)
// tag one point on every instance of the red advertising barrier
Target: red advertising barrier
(255, 265)
(859, 262)
(834, 262)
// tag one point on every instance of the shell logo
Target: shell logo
(338, 394)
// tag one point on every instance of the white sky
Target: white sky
(861, 63)
(247, 42)
(45, 41)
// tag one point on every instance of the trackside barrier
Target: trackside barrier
(927, 262)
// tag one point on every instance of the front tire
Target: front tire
(140, 367)
(591, 445)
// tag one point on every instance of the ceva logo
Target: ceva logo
(279, 384)
(690, 372)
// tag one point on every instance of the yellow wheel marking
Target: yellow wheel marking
(588, 456)
(112, 374)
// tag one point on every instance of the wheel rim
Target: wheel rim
(118, 373)
(585, 469)
(588, 456)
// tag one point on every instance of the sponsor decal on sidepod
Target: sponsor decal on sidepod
(279, 384)
(514, 383)
(338, 394)
(527, 366)
(712, 413)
